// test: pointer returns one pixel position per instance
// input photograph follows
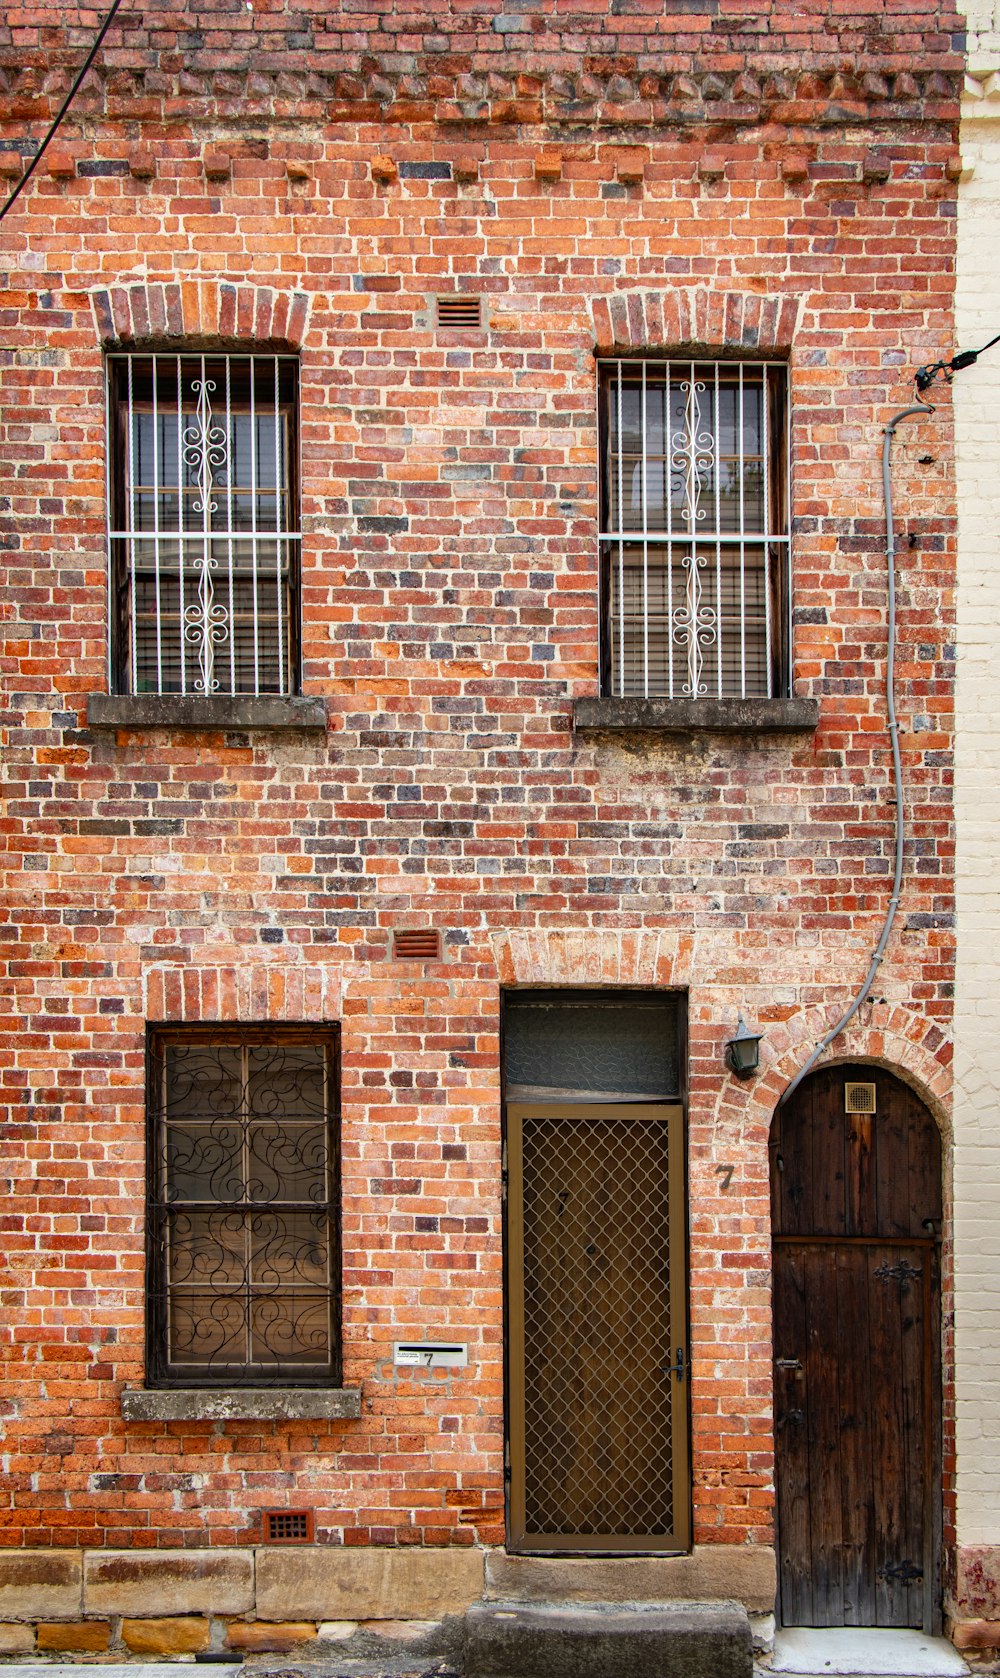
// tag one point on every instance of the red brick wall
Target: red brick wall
(449, 505)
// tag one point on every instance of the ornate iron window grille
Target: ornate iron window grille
(694, 529)
(202, 523)
(243, 1208)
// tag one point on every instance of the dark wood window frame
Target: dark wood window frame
(243, 1207)
(177, 627)
(664, 635)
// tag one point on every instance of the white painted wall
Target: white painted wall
(977, 1022)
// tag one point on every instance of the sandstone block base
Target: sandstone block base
(89, 1636)
(320, 1583)
(148, 1585)
(41, 1584)
(976, 1634)
(188, 1636)
(16, 1640)
(713, 1572)
(259, 1637)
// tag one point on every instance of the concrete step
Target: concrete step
(862, 1652)
(608, 1640)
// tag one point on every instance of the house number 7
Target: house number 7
(726, 1173)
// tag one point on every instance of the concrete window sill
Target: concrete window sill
(695, 716)
(230, 711)
(242, 1404)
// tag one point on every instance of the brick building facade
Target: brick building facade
(450, 738)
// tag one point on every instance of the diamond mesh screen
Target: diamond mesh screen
(597, 1330)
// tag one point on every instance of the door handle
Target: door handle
(787, 1363)
(677, 1367)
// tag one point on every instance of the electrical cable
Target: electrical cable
(67, 102)
(917, 407)
(925, 376)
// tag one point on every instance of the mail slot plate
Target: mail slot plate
(429, 1354)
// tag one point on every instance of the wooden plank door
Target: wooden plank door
(856, 1207)
(597, 1392)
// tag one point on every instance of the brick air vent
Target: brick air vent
(457, 311)
(417, 944)
(288, 1526)
(859, 1098)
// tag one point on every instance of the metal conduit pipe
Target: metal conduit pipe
(897, 769)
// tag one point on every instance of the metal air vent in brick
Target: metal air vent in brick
(422, 943)
(859, 1098)
(459, 312)
(288, 1526)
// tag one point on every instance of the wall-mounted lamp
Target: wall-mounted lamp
(743, 1050)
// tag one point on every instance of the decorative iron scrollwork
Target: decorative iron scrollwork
(903, 1273)
(206, 620)
(243, 1208)
(900, 1573)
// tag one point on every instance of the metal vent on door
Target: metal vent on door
(859, 1098)
(457, 311)
(422, 943)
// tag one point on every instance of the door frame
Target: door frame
(518, 1539)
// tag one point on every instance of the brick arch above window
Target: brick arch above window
(278, 992)
(199, 309)
(683, 317)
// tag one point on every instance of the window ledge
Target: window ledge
(242, 1404)
(174, 710)
(693, 716)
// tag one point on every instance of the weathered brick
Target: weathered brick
(449, 499)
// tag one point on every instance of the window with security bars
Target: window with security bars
(243, 1229)
(203, 523)
(694, 529)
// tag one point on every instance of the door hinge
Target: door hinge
(903, 1272)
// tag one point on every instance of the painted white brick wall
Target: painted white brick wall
(977, 1063)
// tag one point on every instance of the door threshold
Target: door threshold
(863, 1652)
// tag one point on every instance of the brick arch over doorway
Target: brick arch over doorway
(910, 1045)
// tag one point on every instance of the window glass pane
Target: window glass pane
(624, 1047)
(208, 1250)
(204, 1161)
(207, 1330)
(289, 1330)
(286, 1161)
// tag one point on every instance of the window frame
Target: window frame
(123, 662)
(160, 1373)
(775, 543)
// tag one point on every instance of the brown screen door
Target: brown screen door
(596, 1319)
(856, 1205)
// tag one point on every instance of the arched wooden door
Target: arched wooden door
(856, 1219)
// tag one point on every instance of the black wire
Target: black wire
(926, 376)
(67, 102)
